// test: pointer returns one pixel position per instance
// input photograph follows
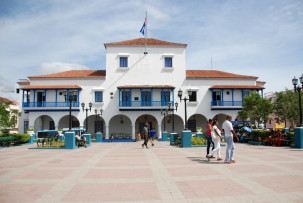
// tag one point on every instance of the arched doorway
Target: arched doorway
(220, 118)
(178, 124)
(152, 123)
(44, 123)
(197, 120)
(64, 122)
(120, 127)
(95, 124)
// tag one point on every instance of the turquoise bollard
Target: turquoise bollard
(70, 140)
(31, 139)
(186, 138)
(99, 137)
(298, 137)
(164, 136)
(88, 139)
(173, 136)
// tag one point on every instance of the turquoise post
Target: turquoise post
(172, 138)
(70, 140)
(88, 139)
(186, 138)
(199, 134)
(31, 139)
(164, 136)
(98, 137)
(298, 137)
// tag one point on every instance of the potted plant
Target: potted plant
(60, 131)
(199, 129)
(30, 131)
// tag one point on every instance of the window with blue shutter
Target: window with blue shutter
(123, 62)
(98, 96)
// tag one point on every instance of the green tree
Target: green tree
(8, 117)
(256, 108)
(286, 107)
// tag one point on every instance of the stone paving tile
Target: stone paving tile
(124, 172)
(16, 164)
(253, 168)
(43, 174)
(212, 188)
(118, 173)
(103, 192)
(192, 171)
(65, 163)
(22, 192)
(121, 162)
(3, 172)
(282, 183)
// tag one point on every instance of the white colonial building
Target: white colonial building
(133, 89)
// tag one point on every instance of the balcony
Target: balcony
(143, 105)
(27, 105)
(226, 105)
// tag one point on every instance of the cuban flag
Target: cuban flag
(143, 27)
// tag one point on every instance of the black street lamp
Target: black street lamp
(97, 114)
(173, 110)
(295, 83)
(90, 109)
(185, 99)
(70, 96)
(164, 113)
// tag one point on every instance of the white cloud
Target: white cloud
(54, 67)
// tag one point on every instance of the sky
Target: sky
(262, 38)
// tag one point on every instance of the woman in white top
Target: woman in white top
(217, 138)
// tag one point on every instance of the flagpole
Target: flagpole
(146, 33)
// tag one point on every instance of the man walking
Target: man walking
(145, 135)
(229, 133)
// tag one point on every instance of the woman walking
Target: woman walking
(208, 137)
(217, 139)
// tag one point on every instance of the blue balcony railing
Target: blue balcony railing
(49, 104)
(226, 103)
(143, 103)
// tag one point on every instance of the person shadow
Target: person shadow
(202, 160)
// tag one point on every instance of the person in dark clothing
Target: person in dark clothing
(145, 135)
(208, 137)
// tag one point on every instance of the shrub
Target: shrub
(18, 138)
(262, 134)
(21, 138)
(198, 141)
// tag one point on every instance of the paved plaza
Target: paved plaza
(124, 172)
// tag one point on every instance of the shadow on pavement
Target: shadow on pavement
(205, 161)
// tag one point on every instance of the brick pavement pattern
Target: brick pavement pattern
(124, 172)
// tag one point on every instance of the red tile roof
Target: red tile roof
(5, 100)
(260, 82)
(213, 74)
(145, 86)
(236, 87)
(74, 74)
(23, 82)
(141, 41)
(31, 87)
